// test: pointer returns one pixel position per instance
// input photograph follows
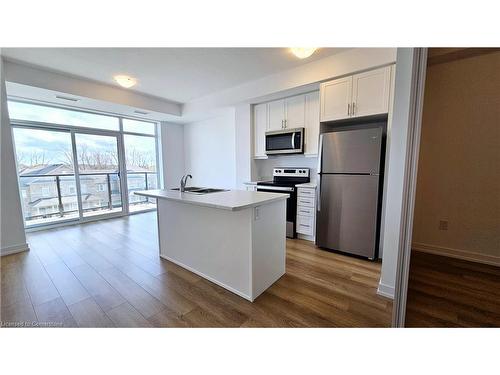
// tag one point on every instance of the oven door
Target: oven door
(290, 141)
(291, 205)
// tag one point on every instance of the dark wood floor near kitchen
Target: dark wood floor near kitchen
(447, 292)
(108, 274)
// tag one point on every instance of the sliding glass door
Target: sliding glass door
(97, 158)
(75, 165)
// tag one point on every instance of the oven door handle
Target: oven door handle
(275, 188)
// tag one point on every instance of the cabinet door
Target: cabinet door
(295, 108)
(370, 92)
(336, 98)
(312, 123)
(260, 128)
(276, 114)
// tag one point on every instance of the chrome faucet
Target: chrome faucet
(184, 182)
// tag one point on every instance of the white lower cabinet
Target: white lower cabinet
(306, 213)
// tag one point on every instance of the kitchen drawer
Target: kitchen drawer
(303, 192)
(305, 211)
(305, 225)
(305, 201)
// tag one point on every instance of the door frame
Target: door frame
(417, 83)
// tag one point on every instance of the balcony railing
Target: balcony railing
(52, 197)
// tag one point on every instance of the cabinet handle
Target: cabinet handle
(303, 225)
(353, 108)
(282, 126)
(285, 124)
(348, 109)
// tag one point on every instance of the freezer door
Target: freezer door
(351, 151)
(347, 216)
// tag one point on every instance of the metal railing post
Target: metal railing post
(59, 197)
(110, 204)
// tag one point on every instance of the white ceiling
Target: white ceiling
(177, 74)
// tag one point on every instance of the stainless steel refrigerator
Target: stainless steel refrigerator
(348, 191)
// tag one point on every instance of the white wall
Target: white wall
(172, 155)
(395, 170)
(209, 151)
(243, 144)
(12, 236)
(264, 167)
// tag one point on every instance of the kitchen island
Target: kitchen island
(235, 239)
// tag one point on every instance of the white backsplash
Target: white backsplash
(264, 167)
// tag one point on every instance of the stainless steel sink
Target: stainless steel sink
(189, 189)
(200, 190)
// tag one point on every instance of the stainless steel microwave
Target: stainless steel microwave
(286, 141)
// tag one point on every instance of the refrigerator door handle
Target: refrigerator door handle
(320, 152)
(318, 195)
(320, 156)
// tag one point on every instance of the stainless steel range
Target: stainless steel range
(284, 181)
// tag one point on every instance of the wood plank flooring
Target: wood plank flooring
(108, 274)
(448, 292)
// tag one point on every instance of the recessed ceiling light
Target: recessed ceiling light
(125, 81)
(303, 53)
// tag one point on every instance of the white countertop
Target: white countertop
(232, 200)
(311, 185)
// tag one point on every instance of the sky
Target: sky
(56, 145)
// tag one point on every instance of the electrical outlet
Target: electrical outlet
(443, 224)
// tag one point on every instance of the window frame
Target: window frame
(16, 123)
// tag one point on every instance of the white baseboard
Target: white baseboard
(14, 249)
(456, 253)
(385, 290)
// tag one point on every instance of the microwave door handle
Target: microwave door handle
(293, 141)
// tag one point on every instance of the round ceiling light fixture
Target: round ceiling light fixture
(303, 53)
(125, 81)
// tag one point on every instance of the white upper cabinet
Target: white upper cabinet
(295, 112)
(370, 92)
(363, 94)
(300, 111)
(276, 114)
(312, 123)
(336, 98)
(260, 128)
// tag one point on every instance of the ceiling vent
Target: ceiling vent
(67, 98)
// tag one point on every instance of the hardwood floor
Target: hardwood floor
(108, 274)
(448, 292)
